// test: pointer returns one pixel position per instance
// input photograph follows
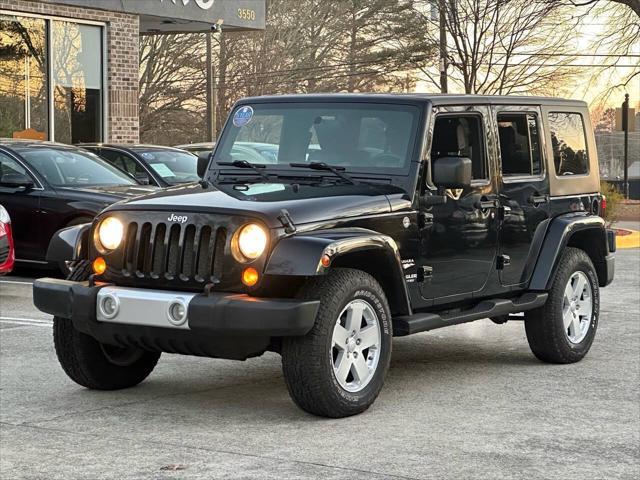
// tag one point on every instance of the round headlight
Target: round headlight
(252, 241)
(110, 233)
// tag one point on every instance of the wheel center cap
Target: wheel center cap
(572, 306)
(351, 346)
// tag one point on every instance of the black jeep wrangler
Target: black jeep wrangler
(327, 224)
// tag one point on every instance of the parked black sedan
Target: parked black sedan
(150, 164)
(47, 186)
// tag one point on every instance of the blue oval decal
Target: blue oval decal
(242, 116)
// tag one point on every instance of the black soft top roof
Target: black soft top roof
(416, 98)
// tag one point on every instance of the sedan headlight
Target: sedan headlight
(251, 241)
(110, 233)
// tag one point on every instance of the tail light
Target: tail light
(7, 251)
(603, 206)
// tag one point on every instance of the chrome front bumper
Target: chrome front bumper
(137, 306)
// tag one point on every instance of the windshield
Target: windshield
(362, 137)
(173, 166)
(68, 168)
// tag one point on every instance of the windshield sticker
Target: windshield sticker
(242, 116)
(162, 170)
(261, 188)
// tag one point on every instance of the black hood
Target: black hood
(109, 193)
(305, 203)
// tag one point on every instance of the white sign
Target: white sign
(203, 4)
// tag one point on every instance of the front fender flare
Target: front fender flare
(70, 243)
(300, 255)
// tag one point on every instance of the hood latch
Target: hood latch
(285, 220)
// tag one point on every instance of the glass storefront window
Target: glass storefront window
(24, 109)
(77, 77)
(73, 91)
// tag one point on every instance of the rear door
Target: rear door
(524, 191)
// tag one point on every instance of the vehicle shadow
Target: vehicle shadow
(259, 392)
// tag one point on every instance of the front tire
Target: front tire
(95, 365)
(338, 368)
(563, 329)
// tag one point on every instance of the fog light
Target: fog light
(177, 312)
(99, 266)
(250, 276)
(109, 306)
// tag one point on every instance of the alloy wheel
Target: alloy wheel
(356, 343)
(577, 307)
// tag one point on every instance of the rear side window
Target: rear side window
(519, 144)
(569, 143)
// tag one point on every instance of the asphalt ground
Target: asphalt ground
(465, 402)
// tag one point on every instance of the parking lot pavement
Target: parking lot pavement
(469, 401)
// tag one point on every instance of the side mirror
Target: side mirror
(203, 163)
(451, 172)
(16, 180)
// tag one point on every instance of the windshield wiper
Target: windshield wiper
(337, 171)
(256, 167)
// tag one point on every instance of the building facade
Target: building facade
(69, 68)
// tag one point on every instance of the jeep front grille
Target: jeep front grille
(173, 251)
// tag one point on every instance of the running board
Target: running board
(422, 322)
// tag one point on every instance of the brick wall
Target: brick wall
(122, 61)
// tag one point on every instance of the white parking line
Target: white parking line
(27, 321)
(15, 282)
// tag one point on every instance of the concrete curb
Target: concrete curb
(629, 239)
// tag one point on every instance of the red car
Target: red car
(7, 252)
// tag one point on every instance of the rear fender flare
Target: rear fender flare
(559, 235)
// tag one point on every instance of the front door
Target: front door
(24, 209)
(524, 191)
(458, 252)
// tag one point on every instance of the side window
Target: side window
(461, 136)
(519, 144)
(569, 143)
(112, 157)
(8, 166)
(124, 162)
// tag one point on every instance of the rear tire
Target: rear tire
(329, 376)
(563, 329)
(92, 364)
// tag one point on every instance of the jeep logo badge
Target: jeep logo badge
(177, 218)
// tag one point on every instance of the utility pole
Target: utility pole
(443, 46)
(625, 128)
(210, 107)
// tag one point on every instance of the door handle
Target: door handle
(486, 202)
(536, 200)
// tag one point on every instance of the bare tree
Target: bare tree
(307, 46)
(632, 4)
(172, 87)
(320, 46)
(503, 46)
(620, 39)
